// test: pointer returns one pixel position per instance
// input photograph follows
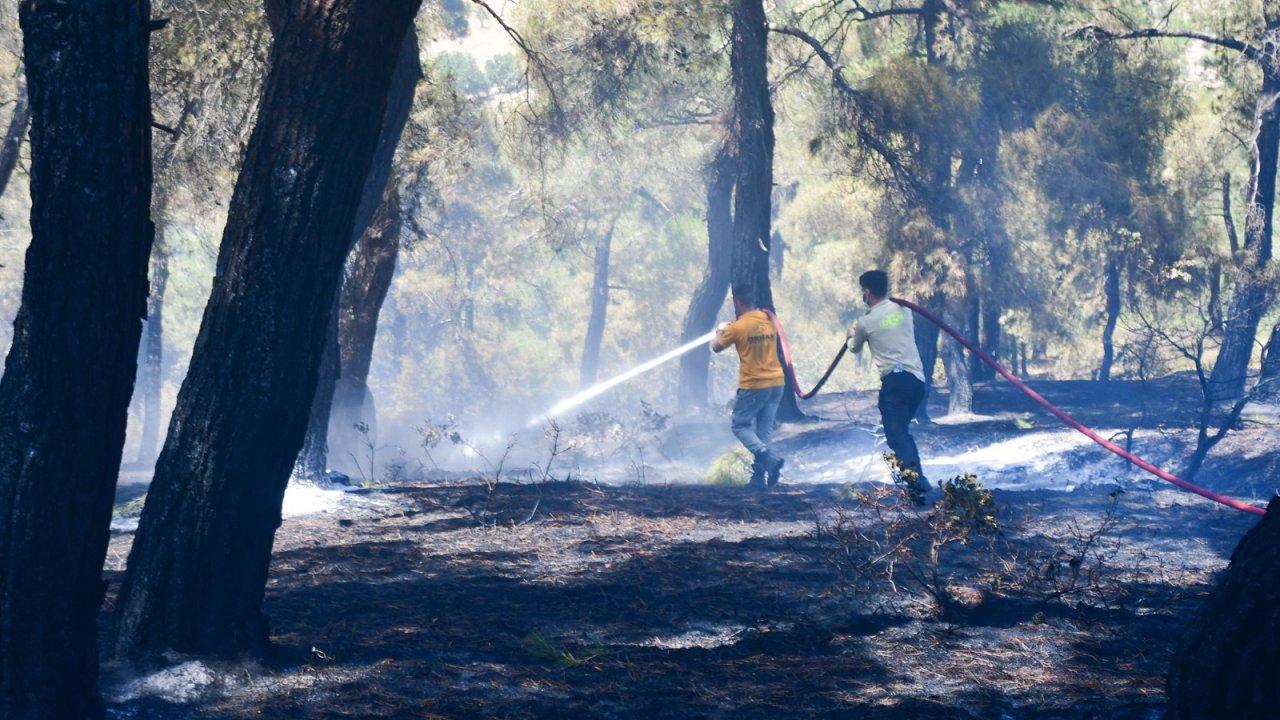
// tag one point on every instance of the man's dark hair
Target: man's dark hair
(876, 281)
(745, 294)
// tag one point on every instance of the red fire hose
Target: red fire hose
(1018, 383)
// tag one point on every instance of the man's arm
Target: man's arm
(857, 337)
(723, 338)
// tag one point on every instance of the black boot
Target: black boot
(757, 475)
(773, 470)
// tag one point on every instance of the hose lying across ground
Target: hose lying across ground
(1026, 390)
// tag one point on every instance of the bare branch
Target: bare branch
(1101, 34)
(540, 64)
(858, 104)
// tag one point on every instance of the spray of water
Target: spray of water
(601, 388)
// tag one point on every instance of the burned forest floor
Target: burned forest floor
(458, 597)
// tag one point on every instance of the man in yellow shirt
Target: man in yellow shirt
(760, 384)
(889, 330)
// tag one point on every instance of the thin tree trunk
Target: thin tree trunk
(64, 397)
(1111, 290)
(974, 303)
(313, 459)
(599, 307)
(709, 296)
(1228, 222)
(991, 336)
(369, 273)
(1269, 377)
(1252, 295)
(14, 134)
(198, 567)
(151, 370)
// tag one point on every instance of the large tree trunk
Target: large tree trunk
(151, 368)
(599, 307)
(13, 136)
(1252, 295)
(1111, 292)
(198, 568)
(64, 397)
(1225, 668)
(312, 461)
(709, 296)
(927, 343)
(959, 382)
(369, 273)
(751, 134)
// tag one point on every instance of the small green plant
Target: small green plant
(130, 509)
(908, 479)
(730, 469)
(542, 650)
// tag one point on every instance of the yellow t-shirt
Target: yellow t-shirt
(756, 340)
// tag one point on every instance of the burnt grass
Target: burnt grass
(683, 602)
(460, 598)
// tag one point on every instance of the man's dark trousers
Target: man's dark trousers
(900, 396)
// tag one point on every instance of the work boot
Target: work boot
(774, 470)
(757, 475)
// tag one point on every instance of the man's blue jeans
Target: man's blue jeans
(755, 414)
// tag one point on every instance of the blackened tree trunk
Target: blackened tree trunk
(1269, 378)
(751, 131)
(64, 396)
(1111, 293)
(927, 343)
(14, 134)
(1252, 295)
(991, 336)
(751, 134)
(959, 382)
(709, 296)
(151, 358)
(370, 270)
(313, 459)
(599, 307)
(1225, 667)
(198, 568)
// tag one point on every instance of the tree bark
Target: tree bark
(369, 273)
(1225, 666)
(312, 462)
(68, 378)
(1270, 375)
(198, 567)
(709, 296)
(752, 137)
(751, 134)
(14, 134)
(599, 307)
(1252, 296)
(1111, 291)
(959, 383)
(313, 459)
(151, 368)
(991, 336)
(927, 343)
